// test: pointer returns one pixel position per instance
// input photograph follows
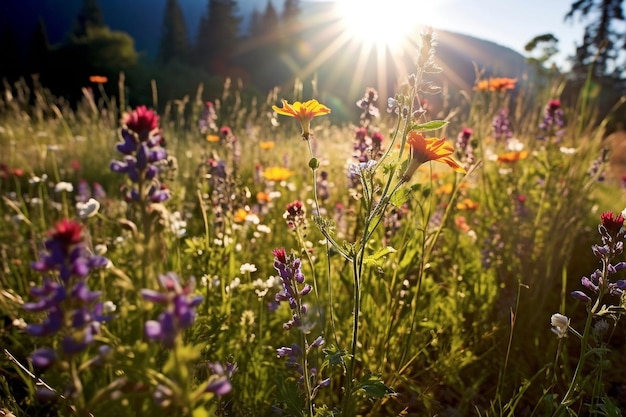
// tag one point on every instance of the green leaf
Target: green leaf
(400, 197)
(378, 256)
(373, 387)
(428, 126)
(334, 357)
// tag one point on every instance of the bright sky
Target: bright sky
(511, 23)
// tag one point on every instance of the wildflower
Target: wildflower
(502, 125)
(303, 112)
(266, 146)
(431, 149)
(179, 311)
(207, 119)
(72, 309)
(461, 223)
(88, 209)
(212, 138)
(144, 155)
(496, 84)
(289, 268)
(98, 79)
(612, 233)
(141, 121)
(510, 157)
(560, 324)
(277, 174)
(467, 204)
(240, 215)
(219, 381)
(370, 111)
(295, 215)
(247, 267)
(63, 187)
(553, 119)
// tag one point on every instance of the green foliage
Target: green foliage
(458, 276)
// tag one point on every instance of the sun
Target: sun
(381, 23)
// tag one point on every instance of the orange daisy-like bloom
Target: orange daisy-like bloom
(303, 112)
(263, 197)
(98, 79)
(240, 215)
(277, 174)
(512, 156)
(429, 149)
(467, 204)
(496, 84)
(266, 146)
(212, 138)
(445, 189)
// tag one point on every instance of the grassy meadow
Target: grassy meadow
(218, 257)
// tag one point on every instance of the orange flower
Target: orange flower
(431, 149)
(496, 84)
(462, 224)
(303, 112)
(266, 146)
(240, 215)
(263, 197)
(277, 174)
(467, 204)
(212, 138)
(98, 79)
(445, 189)
(512, 156)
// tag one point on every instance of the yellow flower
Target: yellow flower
(445, 189)
(266, 146)
(212, 138)
(240, 216)
(303, 112)
(431, 149)
(512, 156)
(277, 174)
(467, 204)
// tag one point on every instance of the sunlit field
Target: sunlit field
(234, 257)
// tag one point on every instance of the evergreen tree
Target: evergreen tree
(291, 10)
(602, 44)
(39, 49)
(255, 29)
(89, 17)
(174, 44)
(218, 37)
(269, 20)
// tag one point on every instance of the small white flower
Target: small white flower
(247, 268)
(514, 145)
(264, 229)
(36, 180)
(108, 307)
(560, 324)
(253, 219)
(624, 213)
(567, 151)
(88, 209)
(100, 249)
(63, 186)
